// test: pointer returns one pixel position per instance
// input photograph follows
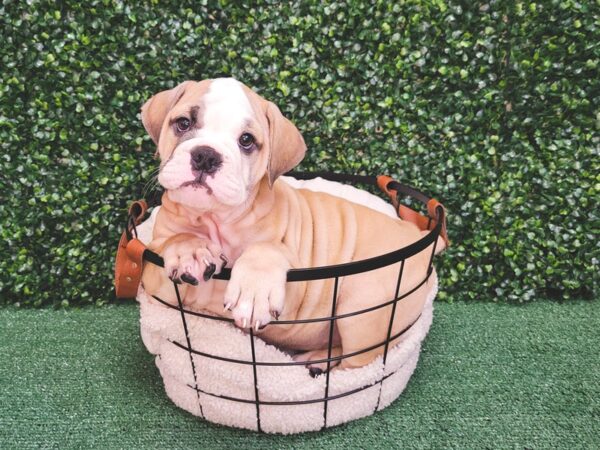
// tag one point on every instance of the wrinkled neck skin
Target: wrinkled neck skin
(233, 228)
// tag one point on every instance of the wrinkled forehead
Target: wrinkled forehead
(222, 104)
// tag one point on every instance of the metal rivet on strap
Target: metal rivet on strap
(134, 265)
(128, 279)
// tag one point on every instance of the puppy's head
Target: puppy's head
(217, 140)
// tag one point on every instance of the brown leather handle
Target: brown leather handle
(383, 181)
(130, 252)
(410, 215)
(137, 210)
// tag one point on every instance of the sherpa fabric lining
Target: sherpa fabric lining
(160, 326)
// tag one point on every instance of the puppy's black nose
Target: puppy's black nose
(205, 160)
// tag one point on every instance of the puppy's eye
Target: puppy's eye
(183, 124)
(247, 142)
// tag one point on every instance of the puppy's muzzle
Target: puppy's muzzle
(205, 160)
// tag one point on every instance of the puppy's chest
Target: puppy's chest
(232, 242)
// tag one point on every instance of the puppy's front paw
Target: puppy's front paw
(255, 294)
(191, 259)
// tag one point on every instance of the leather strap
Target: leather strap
(137, 210)
(130, 252)
(428, 222)
(136, 213)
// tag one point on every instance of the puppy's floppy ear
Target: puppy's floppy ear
(286, 145)
(155, 110)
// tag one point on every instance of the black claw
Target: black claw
(275, 314)
(189, 279)
(262, 327)
(174, 278)
(209, 272)
(224, 261)
(315, 371)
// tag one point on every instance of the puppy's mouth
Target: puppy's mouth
(198, 183)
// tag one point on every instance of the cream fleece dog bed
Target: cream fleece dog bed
(161, 326)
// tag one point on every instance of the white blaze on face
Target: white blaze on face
(225, 111)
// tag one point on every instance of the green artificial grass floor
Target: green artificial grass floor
(490, 376)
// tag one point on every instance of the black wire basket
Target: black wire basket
(435, 223)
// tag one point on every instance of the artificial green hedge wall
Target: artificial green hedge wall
(490, 106)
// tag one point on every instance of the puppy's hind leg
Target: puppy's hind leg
(317, 368)
(362, 335)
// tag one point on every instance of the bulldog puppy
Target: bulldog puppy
(222, 148)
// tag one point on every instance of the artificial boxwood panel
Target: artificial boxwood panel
(489, 106)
